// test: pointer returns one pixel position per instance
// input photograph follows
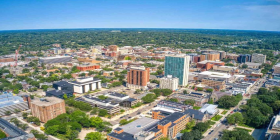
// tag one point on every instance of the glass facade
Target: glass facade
(175, 66)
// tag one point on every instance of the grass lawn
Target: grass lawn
(212, 122)
(244, 125)
(196, 107)
(216, 118)
(224, 112)
(236, 128)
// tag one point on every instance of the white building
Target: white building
(83, 85)
(258, 58)
(169, 83)
(225, 76)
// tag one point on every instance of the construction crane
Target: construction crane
(16, 56)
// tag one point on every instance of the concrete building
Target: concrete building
(113, 48)
(83, 85)
(226, 69)
(14, 133)
(213, 56)
(151, 129)
(253, 65)
(56, 59)
(169, 82)
(277, 69)
(227, 77)
(173, 106)
(258, 58)
(47, 108)
(199, 98)
(274, 126)
(222, 55)
(138, 77)
(177, 66)
(216, 83)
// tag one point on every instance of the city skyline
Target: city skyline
(239, 15)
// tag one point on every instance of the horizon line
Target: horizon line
(136, 28)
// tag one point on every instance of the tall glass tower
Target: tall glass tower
(177, 66)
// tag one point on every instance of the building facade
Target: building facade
(47, 108)
(169, 82)
(83, 85)
(258, 58)
(57, 59)
(88, 67)
(243, 58)
(216, 83)
(138, 77)
(177, 66)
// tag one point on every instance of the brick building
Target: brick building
(151, 129)
(113, 48)
(88, 67)
(7, 59)
(47, 108)
(209, 64)
(216, 83)
(138, 77)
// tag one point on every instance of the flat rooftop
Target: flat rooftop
(54, 57)
(139, 125)
(46, 101)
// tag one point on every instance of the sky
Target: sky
(194, 14)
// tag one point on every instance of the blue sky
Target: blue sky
(207, 14)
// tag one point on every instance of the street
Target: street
(219, 129)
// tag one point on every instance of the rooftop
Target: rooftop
(46, 101)
(54, 57)
(139, 125)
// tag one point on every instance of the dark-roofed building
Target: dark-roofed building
(274, 137)
(197, 115)
(14, 133)
(63, 85)
(59, 93)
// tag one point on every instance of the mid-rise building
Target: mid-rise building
(53, 60)
(88, 67)
(216, 83)
(113, 48)
(138, 77)
(151, 129)
(213, 56)
(169, 82)
(85, 84)
(199, 98)
(258, 58)
(208, 64)
(222, 55)
(177, 66)
(47, 108)
(276, 69)
(227, 77)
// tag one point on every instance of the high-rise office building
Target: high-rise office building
(138, 77)
(243, 58)
(177, 66)
(258, 58)
(169, 82)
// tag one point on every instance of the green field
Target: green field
(216, 118)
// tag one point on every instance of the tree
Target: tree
(137, 91)
(189, 102)
(44, 87)
(236, 135)
(52, 130)
(211, 101)
(227, 101)
(94, 111)
(102, 112)
(15, 121)
(149, 98)
(174, 100)
(185, 92)
(23, 126)
(96, 122)
(193, 135)
(209, 90)
(199, 89)
(25, 70)
(244, 66)
(44, 72)
(32, 96)
(164, 138)
(65, 96)
(94, 136)
(235, 118)
(24, 115)
(8, 113)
